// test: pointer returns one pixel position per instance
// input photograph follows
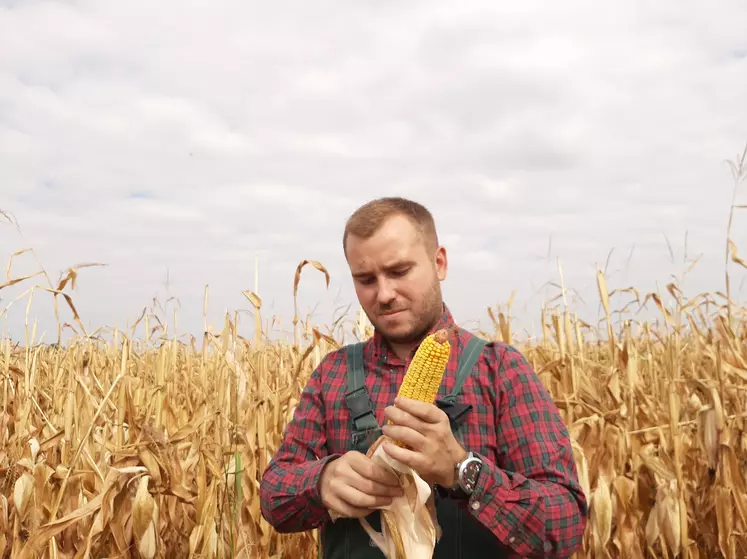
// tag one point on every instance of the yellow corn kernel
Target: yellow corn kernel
(425, 373)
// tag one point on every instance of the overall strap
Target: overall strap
(357, 398)
(467, 361)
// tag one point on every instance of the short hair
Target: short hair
(368, 218)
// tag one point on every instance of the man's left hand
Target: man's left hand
(424, 428)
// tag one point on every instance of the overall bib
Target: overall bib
(462, 536)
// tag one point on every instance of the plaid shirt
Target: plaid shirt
(528, 494)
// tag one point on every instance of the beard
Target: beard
(424, 315)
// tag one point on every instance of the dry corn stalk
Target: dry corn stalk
(618, 415)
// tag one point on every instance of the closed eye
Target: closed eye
(369, 279)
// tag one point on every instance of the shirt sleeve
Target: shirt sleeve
(531, 500)
(289, 491)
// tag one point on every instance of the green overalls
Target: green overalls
(462, 536)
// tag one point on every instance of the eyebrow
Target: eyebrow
(395, 266)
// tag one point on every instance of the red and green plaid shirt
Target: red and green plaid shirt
(528, 494)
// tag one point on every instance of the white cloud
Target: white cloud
(195, 136)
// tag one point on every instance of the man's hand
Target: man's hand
(424, 428)
(353, 486)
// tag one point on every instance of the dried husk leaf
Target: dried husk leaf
(710, 435)
(4, 521)
(600, 510)
(725, 517)
(409, 526)
(22, 493)
(145, 520)
(669, 518)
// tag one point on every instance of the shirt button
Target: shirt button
(512, 539)
(475, 505)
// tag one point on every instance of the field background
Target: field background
(146, 444)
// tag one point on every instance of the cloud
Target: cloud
(190, 138)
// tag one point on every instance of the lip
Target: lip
(395, 313)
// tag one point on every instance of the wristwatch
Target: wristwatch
(466, 474)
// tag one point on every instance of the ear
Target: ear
(441, 263)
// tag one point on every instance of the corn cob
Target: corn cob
(425, 373)
(422, 381)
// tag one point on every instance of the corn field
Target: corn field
(154, 447)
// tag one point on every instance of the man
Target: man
(494, 448)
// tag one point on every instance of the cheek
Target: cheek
(413, 288)
(366, 296)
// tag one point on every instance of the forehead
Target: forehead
(396, 242)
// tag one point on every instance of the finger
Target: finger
(411, 458)
(428, 413)
(366, 468)
(402, 417)
(406, 435)
(373, 488)
(346, 510)
(347, 499)
(360, 500)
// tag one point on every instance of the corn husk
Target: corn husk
(409, 525)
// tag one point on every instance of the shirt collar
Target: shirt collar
(381, 351)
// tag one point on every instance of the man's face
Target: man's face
(397, 282)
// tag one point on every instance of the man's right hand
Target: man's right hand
(353, 485)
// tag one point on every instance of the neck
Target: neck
(403, 350)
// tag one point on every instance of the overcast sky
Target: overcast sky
(195, 136)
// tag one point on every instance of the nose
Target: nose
(386, 292)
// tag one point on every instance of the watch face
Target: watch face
(469, 475)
